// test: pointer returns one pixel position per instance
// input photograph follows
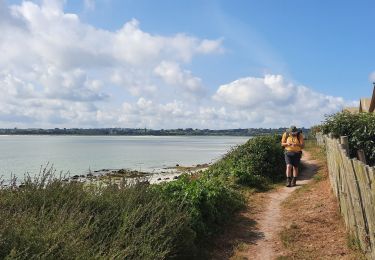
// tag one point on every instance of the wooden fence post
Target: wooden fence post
(345, 144)
(361, 156)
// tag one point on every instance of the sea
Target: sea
(20, 155)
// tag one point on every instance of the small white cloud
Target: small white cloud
(210, 46)
(252, 92)
(172, 74)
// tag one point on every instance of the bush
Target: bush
(210, 202)
(256, 163)
(360, 129)
(58, 220)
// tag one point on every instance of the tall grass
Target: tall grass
(57, 220)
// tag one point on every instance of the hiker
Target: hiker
(293, 142)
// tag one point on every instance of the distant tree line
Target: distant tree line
(144, 131)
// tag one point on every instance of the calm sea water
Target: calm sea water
(78, 154)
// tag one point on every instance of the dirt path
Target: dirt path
(269, 224)
(254, 233)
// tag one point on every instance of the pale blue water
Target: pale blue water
(78, 154)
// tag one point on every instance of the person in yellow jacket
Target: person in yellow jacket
(293, 142)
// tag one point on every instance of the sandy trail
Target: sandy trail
(269, 222)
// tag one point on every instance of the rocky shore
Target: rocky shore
(116, 175)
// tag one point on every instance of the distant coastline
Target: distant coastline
(144, 131)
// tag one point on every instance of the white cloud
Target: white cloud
(279, 102)
(136, 47)
(56, 71)
(172, 74)
(209, 46)
(250, 92)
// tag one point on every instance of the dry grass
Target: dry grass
(314, 228)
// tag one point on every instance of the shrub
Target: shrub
(210, 202)
(256, 163)
(360, 129)
(58, 220)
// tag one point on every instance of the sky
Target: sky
(178, 64)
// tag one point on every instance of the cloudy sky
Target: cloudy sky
(176, 64)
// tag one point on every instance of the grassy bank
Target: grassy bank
(49, 218)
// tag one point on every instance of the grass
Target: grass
(50, 218)
(289, 235)
(318, 153)
(354, 244)
(53, 219)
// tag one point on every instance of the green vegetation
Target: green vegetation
(360, 129)
(257, 163)
(210, 201)
(317, 153)
(50, 218)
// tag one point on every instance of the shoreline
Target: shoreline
(167, 174)
(157, 175)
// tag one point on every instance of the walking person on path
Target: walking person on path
(293, 142)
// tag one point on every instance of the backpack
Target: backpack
(299, 132)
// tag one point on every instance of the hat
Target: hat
(292, 129)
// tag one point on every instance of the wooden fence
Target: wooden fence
(353, 183)
(320, 139)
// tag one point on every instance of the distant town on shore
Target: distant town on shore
(144, 131)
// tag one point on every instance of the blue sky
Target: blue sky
(315, 42)
(214, 64)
